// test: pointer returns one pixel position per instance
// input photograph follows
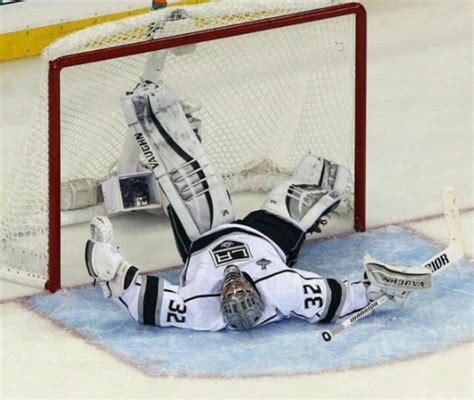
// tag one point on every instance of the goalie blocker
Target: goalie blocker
(396, 282)
(437, 263)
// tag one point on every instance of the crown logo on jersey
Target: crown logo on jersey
(263, 262)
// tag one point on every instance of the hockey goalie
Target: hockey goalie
(238, 274)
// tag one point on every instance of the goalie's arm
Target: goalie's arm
(152, 300)
(442, 260)
(308, 296)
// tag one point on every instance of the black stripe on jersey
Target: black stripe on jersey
(201, 296)
(292, 271)
(169, 290)
(129, 276)
(123, 302)
(336, 299)
(304, 317)
(149, 300)
(267, 320)
(309, 279)
(275, 273)
(126, 305)
(185, 156)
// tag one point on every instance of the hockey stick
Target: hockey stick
(442, 260)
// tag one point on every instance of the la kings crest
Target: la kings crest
(230, 251)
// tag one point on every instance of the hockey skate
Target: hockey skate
(104, 261)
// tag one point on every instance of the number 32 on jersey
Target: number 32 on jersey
(313, 296)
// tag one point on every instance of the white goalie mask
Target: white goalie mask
(241, 303)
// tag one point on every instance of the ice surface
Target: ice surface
(432, 321)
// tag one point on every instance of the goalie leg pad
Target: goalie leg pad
(192, 185)
(314, 191)
(301, 204)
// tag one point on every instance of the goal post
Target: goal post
(215, 28)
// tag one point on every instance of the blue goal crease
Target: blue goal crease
(432, 321)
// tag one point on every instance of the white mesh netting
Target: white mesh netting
(267, 99)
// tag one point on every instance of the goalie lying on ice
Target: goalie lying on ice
(236, 277)
(237, 274)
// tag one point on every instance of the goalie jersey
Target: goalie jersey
(285, 291)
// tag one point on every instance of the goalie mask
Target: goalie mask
(241, 304)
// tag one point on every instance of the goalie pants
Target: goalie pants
(288, 237)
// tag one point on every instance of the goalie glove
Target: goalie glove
(397, 282)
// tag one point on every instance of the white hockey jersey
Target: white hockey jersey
(286, 292)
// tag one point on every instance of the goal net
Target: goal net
(274, 80)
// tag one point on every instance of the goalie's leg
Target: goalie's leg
(194, 188)
(104, 261)
(314, 191)
(298, 206)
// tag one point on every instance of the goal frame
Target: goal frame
(54, 105)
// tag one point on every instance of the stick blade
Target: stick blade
(451, 213)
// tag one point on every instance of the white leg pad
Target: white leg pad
(315, 190)
(192, 185)
(301, 204)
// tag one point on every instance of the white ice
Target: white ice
(420, 139)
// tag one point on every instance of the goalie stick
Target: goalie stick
(442, 260)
